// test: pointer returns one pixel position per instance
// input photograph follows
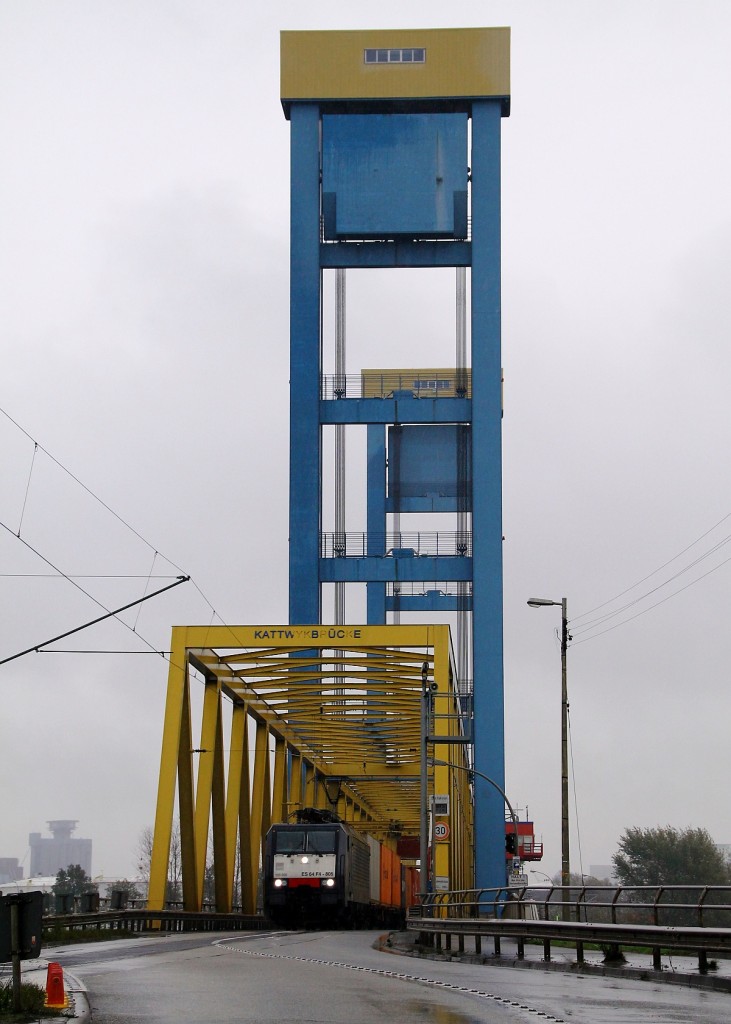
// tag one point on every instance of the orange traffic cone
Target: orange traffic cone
(55, 995)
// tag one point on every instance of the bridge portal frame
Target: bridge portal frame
(310, 725)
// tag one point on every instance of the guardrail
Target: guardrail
(414, 544)
(152, 920)
(690, 919)
(449, 383)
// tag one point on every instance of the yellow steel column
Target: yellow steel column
(266, 807)
(233, 795)
(279, 787)
(185, 801)
(309, 800)
(294, 803)
(174, 703)
(218, 818)
(319, 791)
(209, 725)
(258, 799)
(248, 887)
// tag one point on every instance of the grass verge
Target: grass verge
(32, 1004)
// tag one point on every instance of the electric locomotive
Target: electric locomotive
(318, 872)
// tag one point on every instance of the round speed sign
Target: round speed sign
(441, 830)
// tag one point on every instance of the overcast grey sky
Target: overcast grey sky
(144, 289)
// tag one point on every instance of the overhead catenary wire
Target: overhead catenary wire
(86, 576)
(93, 622)
(72, 578)
(147, 584)
(97, 650)
(76, 480)
(27, 486)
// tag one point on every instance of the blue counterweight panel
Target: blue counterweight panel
(425, 461)
(390, 175)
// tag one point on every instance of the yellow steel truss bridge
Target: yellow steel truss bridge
(296, 716)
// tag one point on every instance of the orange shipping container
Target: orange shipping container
(395, 900)
(386, 870)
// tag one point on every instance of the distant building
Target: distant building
(49, 856)
(10, 870)
(602, 871)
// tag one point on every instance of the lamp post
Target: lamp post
(473, 771)
(541, 602)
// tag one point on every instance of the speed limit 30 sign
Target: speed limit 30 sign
(441, 830)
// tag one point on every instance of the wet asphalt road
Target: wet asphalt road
(302, 978)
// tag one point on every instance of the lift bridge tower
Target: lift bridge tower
(395, 163)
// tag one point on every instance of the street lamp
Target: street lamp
(543, 873)
(473, 771)
(541, 602)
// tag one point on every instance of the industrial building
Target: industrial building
(49, 855)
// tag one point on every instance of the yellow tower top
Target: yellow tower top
(434, 64)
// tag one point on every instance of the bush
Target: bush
(32, 1001)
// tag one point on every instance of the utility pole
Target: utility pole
(565, 858)
(541, 602)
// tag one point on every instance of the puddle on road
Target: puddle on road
(433, 1014)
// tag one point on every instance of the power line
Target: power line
(657, 604)
(654, 572)
(653, 590)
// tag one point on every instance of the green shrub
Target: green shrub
(32, 1001)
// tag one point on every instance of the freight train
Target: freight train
(319, 872)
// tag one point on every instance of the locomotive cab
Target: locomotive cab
(311, 873)
(320, 872)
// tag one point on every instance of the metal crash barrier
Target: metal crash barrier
(153, 920)
(695, 920)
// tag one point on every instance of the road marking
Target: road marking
(480, 993)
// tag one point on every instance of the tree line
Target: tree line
(662, 855)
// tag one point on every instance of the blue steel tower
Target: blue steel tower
(395, 162)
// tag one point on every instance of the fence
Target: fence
(691, 919)
(412, 544)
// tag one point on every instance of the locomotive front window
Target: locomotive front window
(290, 842)
(321, 842)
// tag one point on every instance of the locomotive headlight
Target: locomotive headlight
(329, 882)
(279, 882)
(305, 860)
